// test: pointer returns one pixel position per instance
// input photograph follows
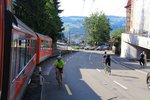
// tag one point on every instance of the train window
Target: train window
(42, 45)
(13, 58)
(33, 48)
(27, 51)
(17, 56)
(45, 45)
(21, 54)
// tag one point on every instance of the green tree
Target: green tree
(97, 28)
(56, 25)
(41, 15)
(31, 12)
(115, 38)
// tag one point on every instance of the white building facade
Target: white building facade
(137, 36)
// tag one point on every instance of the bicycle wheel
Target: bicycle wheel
(59, 79)
(109, 70)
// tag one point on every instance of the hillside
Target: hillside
(74, 25)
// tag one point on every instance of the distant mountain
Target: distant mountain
(74, 25)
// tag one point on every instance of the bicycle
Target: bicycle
(108, 69)
(108, 64)
(59, 77)
(59, 64)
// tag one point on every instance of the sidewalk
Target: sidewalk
(131, 64)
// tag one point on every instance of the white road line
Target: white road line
(120, 85)
(90, 56)
(48, 72)
(91, 62)
(68, 90)
(98, 70)
(141, 71)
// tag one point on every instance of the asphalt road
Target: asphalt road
(85, 79)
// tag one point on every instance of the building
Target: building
(137, 36)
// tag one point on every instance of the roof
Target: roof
(43, 36)
(128, 4)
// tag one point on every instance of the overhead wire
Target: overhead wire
(134, 1)
(93, 1)
(83, 7)
(82, 10)
(119, 9)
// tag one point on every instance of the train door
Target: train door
(1, 42)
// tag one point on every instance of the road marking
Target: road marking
(65, 62)
(48, 71)
(90, 56)
(81, 79)
(98, 70)
(68, 90)
(141, 71)
(120, 85)
(91, 62)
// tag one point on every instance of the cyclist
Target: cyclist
(59, 65)
(108, 64)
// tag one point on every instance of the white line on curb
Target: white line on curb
(141, 71)
(98, 70)
(68, 90)
(120, 85)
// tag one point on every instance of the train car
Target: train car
(23, 59)
(20, 49)
(1, 41)
(44, 49)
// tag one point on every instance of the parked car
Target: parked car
(98, 48)
(92, 48)
(102, 47)
(148, 80)
(87, 47)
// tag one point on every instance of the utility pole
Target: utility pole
(69, 38)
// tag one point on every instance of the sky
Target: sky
(86, 7)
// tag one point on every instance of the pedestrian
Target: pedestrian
(108, 64)
(142, 59)
(104, 59)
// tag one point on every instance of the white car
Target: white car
(98, 48)
(148, 80)
(87, 47)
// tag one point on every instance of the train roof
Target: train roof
(43, 36)
(23, 27)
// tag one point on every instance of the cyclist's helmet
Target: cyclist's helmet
(59, 57)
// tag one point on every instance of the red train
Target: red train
(21, 49)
